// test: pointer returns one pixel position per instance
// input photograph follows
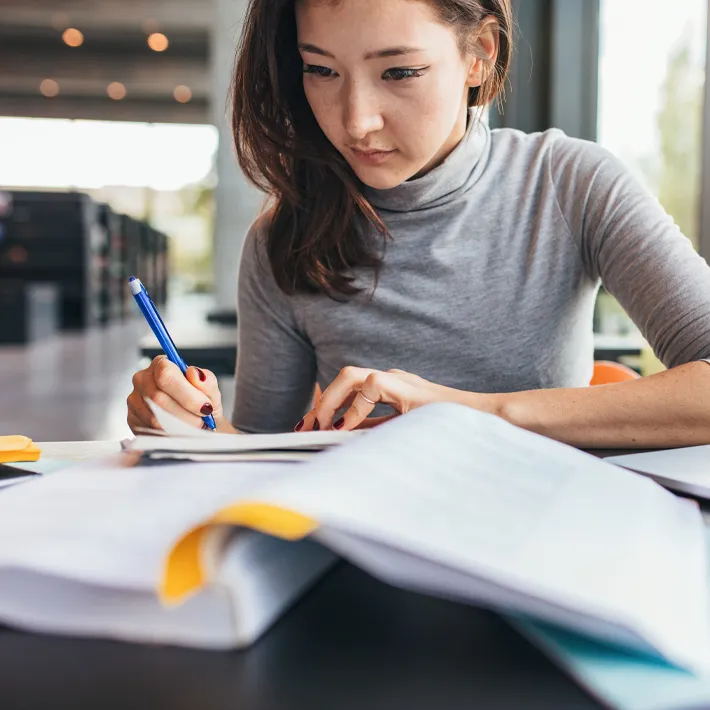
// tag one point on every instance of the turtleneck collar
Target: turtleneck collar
(455, 175)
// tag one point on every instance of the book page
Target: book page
(470, 491)
(102, 523)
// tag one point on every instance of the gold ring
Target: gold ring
(367, 399)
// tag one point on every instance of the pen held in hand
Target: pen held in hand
(148, 309)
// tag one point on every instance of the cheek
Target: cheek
(425, 118)
(324, 106)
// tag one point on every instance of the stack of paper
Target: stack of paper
(178, 440)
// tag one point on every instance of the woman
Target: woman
(411, 255)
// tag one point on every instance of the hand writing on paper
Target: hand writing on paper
(360, 389)
(189, 397)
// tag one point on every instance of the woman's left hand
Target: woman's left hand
(360, 389)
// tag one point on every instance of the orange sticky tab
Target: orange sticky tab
(269, 519)
(18, 449)
(14, 443)
(184, 571)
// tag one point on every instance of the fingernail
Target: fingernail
(201, 375)
(316, 426)
(206, 410)
(339, 423)
(298, 426)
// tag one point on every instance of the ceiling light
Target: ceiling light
(158, 42)
(73, 37)
(116, 90)
(182, 94)
(49, 88)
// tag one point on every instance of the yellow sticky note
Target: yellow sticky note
(16, 449)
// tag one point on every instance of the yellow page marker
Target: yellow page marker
(184, 572)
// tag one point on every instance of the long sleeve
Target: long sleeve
(626, 238)
(276, 366)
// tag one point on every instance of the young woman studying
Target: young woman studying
(412, 255)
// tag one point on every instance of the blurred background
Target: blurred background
(116, 159)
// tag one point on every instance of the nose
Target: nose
(362, 110)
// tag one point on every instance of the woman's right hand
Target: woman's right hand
(189, 397)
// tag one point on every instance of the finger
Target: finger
(168, 404)
(168, 379)
(136, 425)
(341, 390)
(140, 413)
(368, 397)
(133, 422)
(205, 381)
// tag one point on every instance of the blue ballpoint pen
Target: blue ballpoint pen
(145, 303)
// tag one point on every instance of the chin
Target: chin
(381, 178)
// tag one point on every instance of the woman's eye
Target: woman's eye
(317, 70)
(401, 73)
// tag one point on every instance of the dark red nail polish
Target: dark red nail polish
(316, 426)
(206, 410)
(339, 423)
(298, 426)
(201, 375)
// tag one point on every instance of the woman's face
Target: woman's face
(387, 84)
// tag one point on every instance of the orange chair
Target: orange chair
(607, 372)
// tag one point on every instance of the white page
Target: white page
(470, 491)
(102, 523)
(184, 438)
(7, 482)
(173, 426)
(686, 469)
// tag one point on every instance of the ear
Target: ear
(485, 51)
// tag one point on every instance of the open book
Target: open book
(445, 500)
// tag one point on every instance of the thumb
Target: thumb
(206, 382)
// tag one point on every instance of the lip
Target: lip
(372, 157)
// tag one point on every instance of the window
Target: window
(651, 87)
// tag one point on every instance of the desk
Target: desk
(352, 643)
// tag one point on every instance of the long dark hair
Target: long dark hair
(320, 225)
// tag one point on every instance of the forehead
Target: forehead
(368, 23)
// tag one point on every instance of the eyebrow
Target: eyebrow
(378, 54)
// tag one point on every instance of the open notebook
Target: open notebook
(445, 500)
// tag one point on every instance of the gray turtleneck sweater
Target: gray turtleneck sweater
(489, 282)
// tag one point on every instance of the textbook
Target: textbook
(444, 500)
